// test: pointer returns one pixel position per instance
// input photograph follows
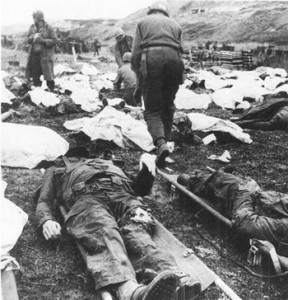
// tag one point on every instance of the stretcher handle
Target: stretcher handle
(195, 198)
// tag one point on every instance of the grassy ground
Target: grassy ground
(56, 271)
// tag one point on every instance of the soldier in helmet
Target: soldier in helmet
(156, 59)
(97, 46)
(42, 39)
(127, 76)
(123, 45)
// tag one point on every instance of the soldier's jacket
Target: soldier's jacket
(67, 182)
(155, 30)
(46, 49)
(122, 47)
(254, 213)
(127, 76)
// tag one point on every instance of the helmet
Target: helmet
(38, 14)
(127, 57)
(159, 6)
(118, 32)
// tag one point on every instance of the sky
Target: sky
(20, 11)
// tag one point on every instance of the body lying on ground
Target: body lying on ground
(254, 213)
(110, 221)
(269, 115)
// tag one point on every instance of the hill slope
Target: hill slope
(225, 21)
(234, 21)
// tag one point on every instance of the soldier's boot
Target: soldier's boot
(163, 152)
(162, 287)
(189, 288)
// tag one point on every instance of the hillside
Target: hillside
(242, 21)
(225, 21)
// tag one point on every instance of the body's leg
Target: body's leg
(136, 226)
(96, 229)
(140, 245)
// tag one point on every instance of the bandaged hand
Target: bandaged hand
(51, 230)
(149, 161)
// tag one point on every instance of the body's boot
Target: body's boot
(162, 287)
(189, 288)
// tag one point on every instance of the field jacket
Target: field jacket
(155, 30)
(47, 50)
(121, 47)
(68, 182)
(127, 76)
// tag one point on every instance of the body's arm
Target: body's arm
(144, 180)
(44, 212)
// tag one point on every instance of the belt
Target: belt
(161, 47)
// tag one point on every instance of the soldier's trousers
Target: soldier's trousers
(37, 71)
(159, 87)
(109, 231)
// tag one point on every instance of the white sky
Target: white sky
(20, 11)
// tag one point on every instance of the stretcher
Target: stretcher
(172, 179)
(186, 260)
(8, 286)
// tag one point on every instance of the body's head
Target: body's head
(127, 57)
(119, 34)
(38, 17)
(158, 7)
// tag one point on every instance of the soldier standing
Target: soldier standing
(156, 59)
(42, 39)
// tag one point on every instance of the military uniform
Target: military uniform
(254, 213)
(157, 62)
(97, 46)
(128, 77)
(121, 47)
(41, 56)
(104, 217)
